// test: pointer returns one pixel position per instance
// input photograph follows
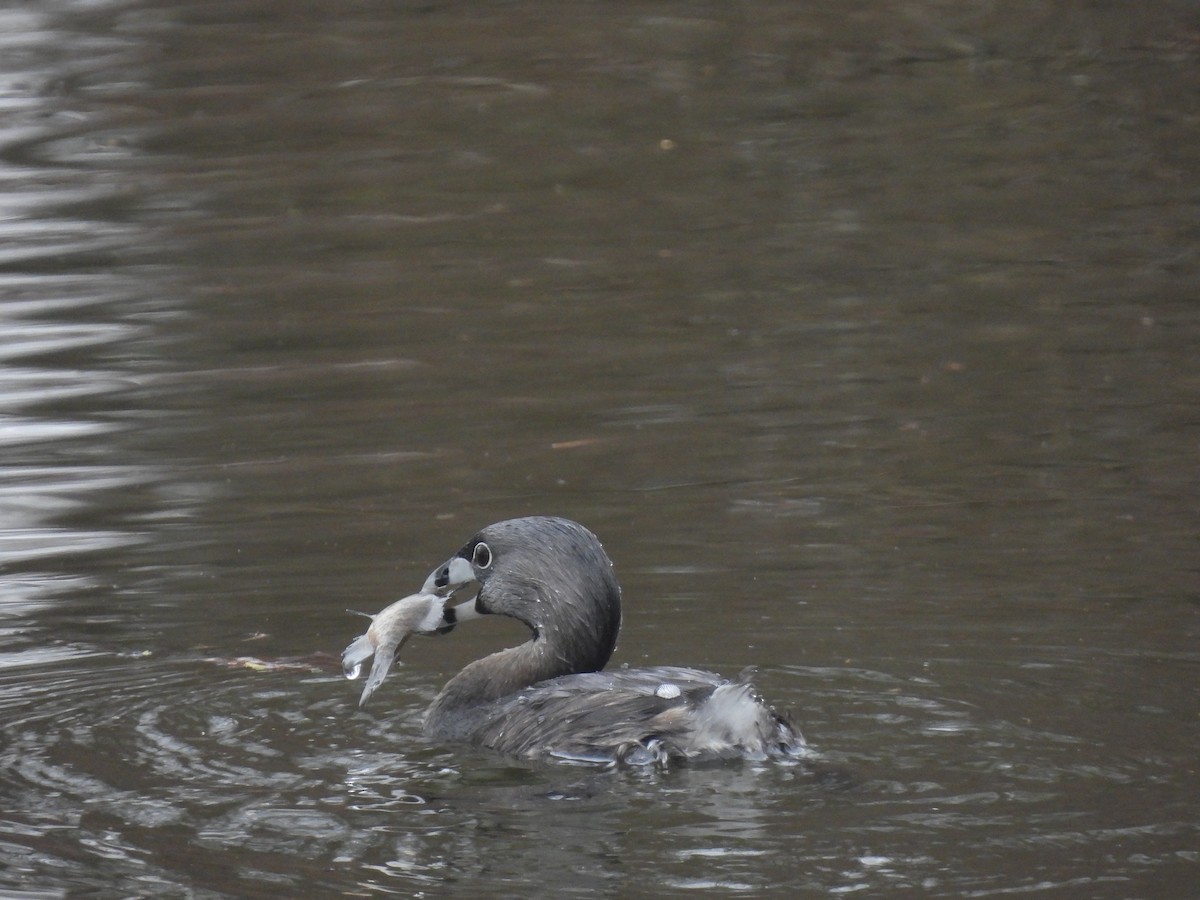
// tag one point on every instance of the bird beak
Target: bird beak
(444, 581)
(449, 577)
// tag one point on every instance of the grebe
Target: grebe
(548, 697)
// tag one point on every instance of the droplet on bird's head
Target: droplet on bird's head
(667, 691)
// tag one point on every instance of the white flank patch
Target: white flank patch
(732, 717)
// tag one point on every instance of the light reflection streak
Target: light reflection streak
(72, 346)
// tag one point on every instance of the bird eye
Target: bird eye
(482, 555)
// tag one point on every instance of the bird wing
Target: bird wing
(601, 716)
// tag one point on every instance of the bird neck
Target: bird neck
(493, 677)
(571, 634)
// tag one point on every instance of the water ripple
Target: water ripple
(148, 743)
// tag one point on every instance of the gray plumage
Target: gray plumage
(548, 697)
(657, 715)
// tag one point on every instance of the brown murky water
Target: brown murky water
(865, 335)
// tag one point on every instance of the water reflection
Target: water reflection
(68, 373)
(75, 492)
(68, 346)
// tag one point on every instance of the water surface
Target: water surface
(863, 337)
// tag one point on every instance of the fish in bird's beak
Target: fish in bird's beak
(426, 612)
(423, 613)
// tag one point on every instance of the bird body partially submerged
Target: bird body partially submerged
(548, 697)
(634, 716)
